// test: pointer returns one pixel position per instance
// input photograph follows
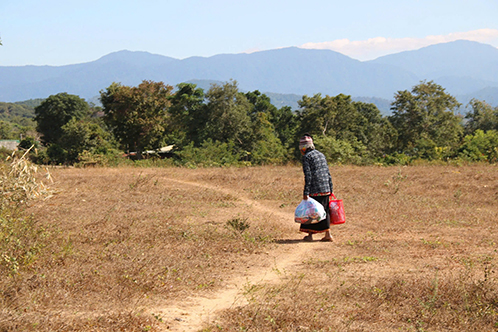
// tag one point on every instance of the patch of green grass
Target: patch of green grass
(238, 224)
(432, 243)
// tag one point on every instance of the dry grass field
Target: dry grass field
(172, 249)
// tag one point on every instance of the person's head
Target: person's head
(305, 143)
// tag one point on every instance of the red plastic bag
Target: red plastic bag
(336, 207)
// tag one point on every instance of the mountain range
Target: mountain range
(465, 69)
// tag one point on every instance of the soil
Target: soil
(194, 313)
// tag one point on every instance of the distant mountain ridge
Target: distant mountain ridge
(464, 68)
(461, 58)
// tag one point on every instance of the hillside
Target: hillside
(461, 58)
(21, 113)
(462, 67)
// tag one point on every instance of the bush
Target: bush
(56, 154)
(20, 238)
(428, 150)
(481, 146)
(341, 151)
(269, 151)
(108, 157)
(28, 142)
(396, 159)
(211, 153)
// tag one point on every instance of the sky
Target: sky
(61, 32)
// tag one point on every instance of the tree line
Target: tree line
(224, 126)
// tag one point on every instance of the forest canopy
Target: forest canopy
(224, 126)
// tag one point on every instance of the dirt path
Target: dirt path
(192, 314)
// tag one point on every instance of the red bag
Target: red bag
(336, 208)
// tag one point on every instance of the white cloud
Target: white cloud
(252, 50)
(379, 46)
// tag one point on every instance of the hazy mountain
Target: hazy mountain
(489, 95)
(280, 100)
(290, 71)
(461, 58)
(463, 68)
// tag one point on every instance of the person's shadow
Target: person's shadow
(288, 241)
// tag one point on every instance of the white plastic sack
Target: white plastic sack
(309, 211)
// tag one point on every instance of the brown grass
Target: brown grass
(417, 252)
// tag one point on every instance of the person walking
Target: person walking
(317, 184)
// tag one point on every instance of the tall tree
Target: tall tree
(373, 130)
(138, 116)
(342, 122)
(265, 147)
(329, 116)
(284, 121)
(5, 130)
(57, 110)
(79, 137)
(226, 115)
(316, 115)
(186, 111)
(425, 119)
(482, 116)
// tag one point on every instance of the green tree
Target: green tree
(210, 153)
(5, 130)
(226, 116)
(425, 119)
(328, 119)
(266, 147)
(283, 120)
(261, 104)
(482, 116)
(57, 110)
(330, 116)
(186, 112)
(373, 130)
(138, 116)
(480, 146)
(84, 135)
(341, 151)
(316, 115)
(286, 124)
(355, 125)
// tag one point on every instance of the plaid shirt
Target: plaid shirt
(317, 177)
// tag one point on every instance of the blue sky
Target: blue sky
(55, 32)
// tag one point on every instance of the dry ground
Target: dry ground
(130, 249)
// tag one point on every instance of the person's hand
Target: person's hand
(305, 197)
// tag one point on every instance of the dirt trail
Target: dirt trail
(194, 313)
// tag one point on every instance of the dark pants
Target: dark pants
(323, 225)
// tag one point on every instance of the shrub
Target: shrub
(481, 146)
(210, 153)
(396, 159)
(20, 238)
(269, 151)
(341, 151)
(428, 150)
(28, 142)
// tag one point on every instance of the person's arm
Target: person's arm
(307, 178)
(331, 185)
